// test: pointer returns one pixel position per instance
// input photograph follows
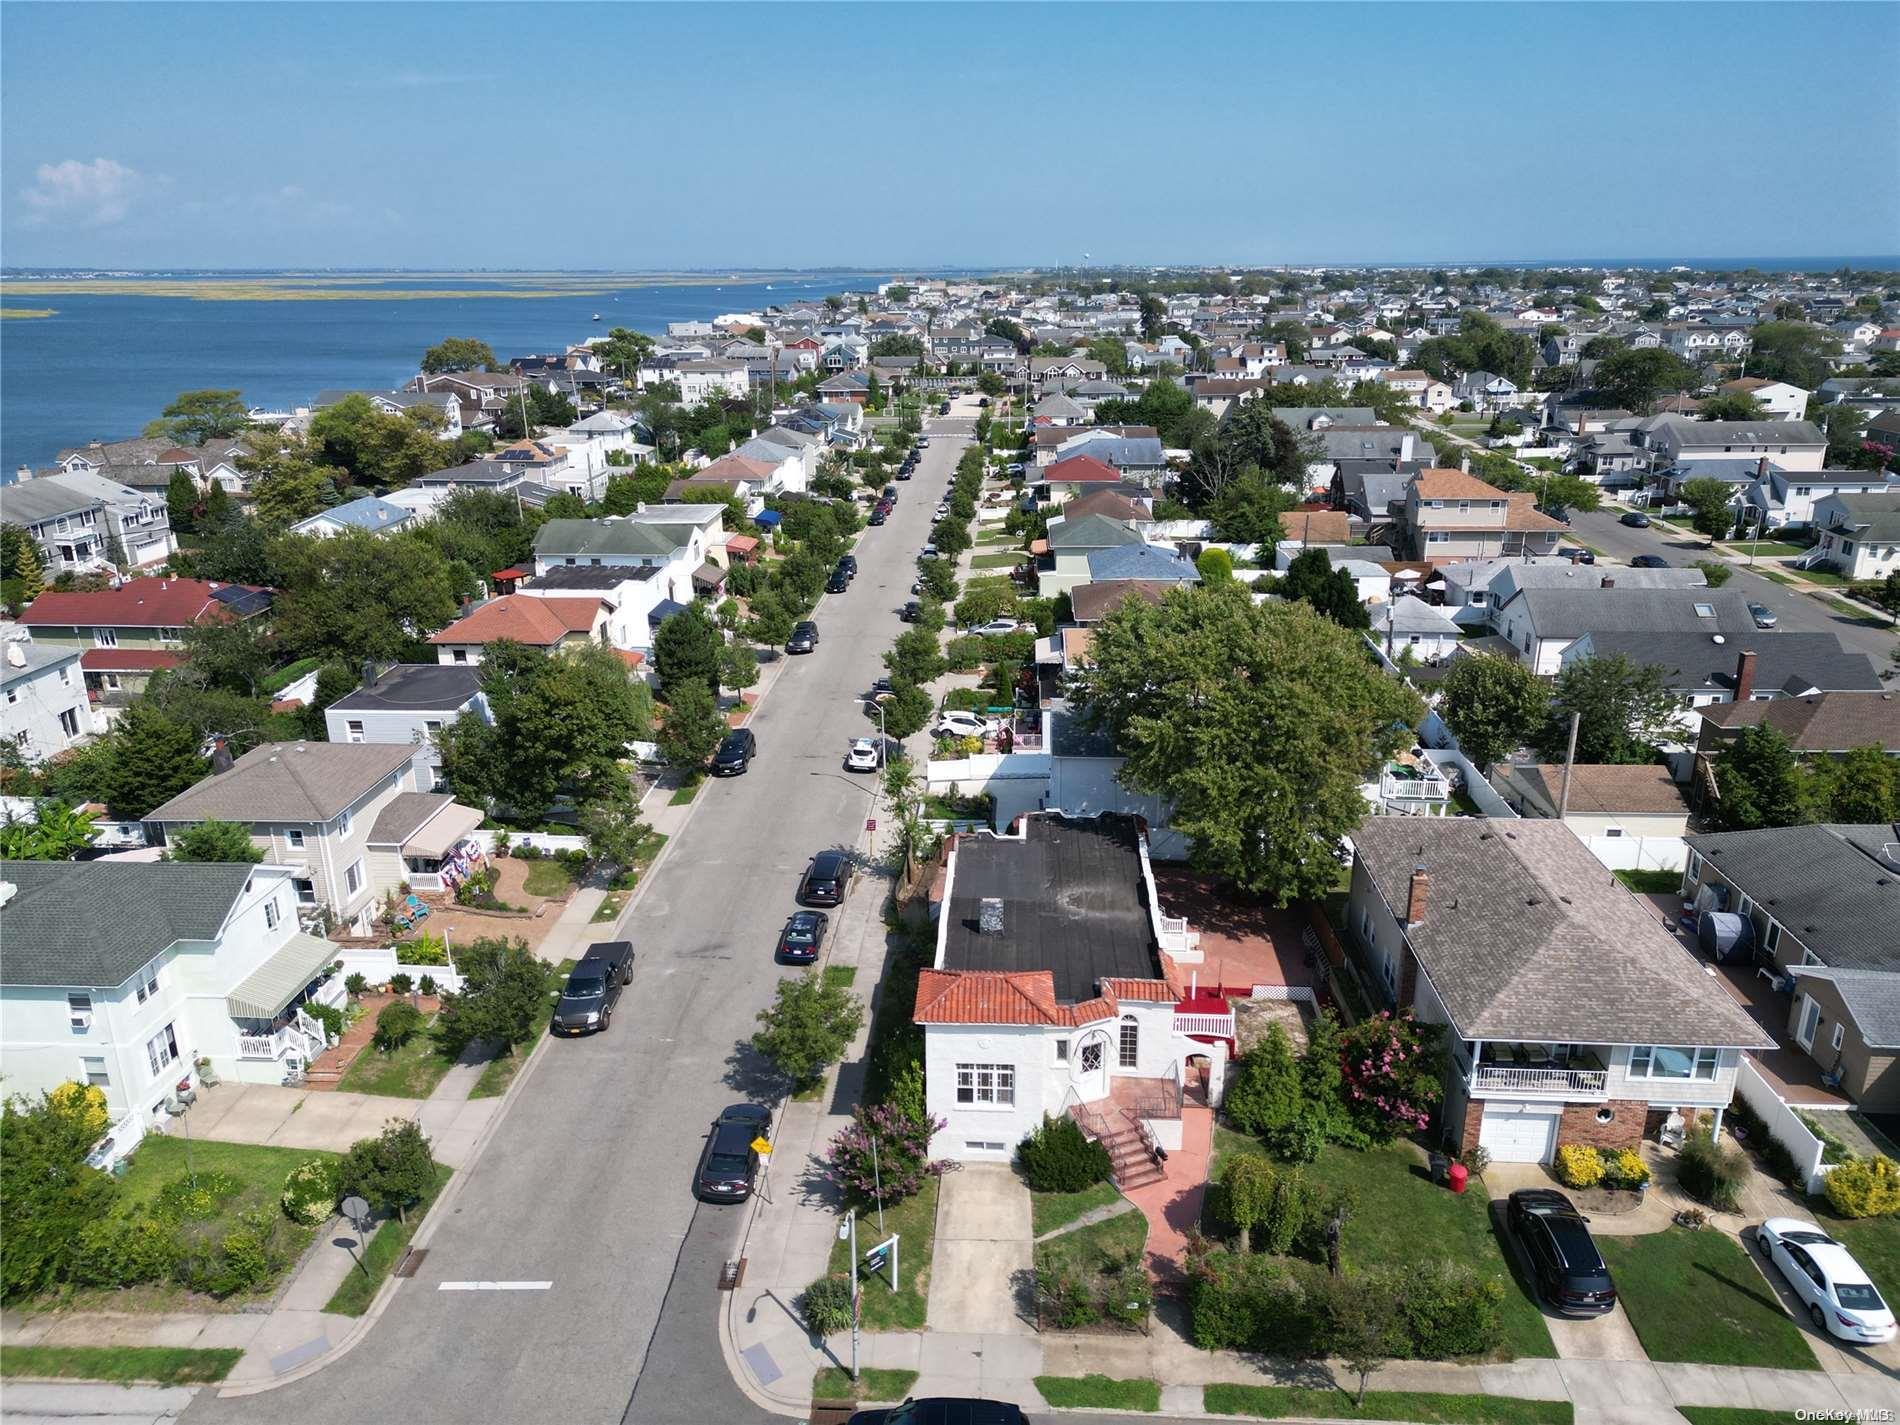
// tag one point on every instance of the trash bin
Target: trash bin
(1457, 1176)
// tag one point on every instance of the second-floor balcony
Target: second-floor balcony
(1564, 1071)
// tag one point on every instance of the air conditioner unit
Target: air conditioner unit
(82, 1022)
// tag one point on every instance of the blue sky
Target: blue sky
(639, 136)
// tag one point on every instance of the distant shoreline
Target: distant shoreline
(29, 311)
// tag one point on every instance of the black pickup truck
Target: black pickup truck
(592, 990)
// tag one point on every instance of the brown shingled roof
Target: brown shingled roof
(1825, 722)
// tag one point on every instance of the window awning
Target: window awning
(664, 610)
(274, 984)
(438, 836)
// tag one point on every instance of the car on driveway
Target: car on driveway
(1635, 519)
(803, 937)
(1649, 561)
(729, 1162)
(826, 880)
(1763, 615)
(944, 1410)
(1835, 1288)
(1582, 556)
(1568, 1269)
(863, 755)
(957, 723)
(996, 627)
(735, 754)
(804, 638)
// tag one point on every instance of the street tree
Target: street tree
(686, 648)
(770, 620)
(1758, 782)
(905, 711)
(613, 827)
(1624, 709)
(807, 1027)
(392, 1171)
(1710, 510)
(458, 353)
(738, 666)
(1559, 495)
(1887, 595)
(690, 727)
(1256, 722)
(503, 998)
(1493, 705)
(213, 841)
(916, 656)
(194, 417)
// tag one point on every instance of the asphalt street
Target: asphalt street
(1795, 612)
(586, 1181)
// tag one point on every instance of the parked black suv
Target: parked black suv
(848, 565)
(826, 879)
(1570, 1272)
(838, 582)
(944, 1410)
(593, 988)
(912, 610)
(735, 754)
(804, 638)
(730, 1163)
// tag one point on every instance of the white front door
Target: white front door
(1518, 1135)
(1809, 1021)
(1088, 1066)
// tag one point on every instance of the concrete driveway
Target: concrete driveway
(983, 1251)
(1836, 1356)
(280, 1117)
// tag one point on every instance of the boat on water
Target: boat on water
(596, 316)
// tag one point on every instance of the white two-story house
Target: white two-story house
(408, 705)
(1571, 1015)
(1035, 1007)
(43, 703)
(1860, 534)
(122, 974)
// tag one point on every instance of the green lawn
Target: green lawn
(687, 791)
(548, 879)
(1650, 883)
(1734, 1415)
(1050, 1210)
(1081, 1249)
(497, 1074)
(1402, 1216)
(915, 1220)
(1874, 1241)
(610, 907)
(1826, 577)
(1768, 548)
(411, 1072)
(997, 561)
(1695, 1296)
(1283, 1402)
(122, 1365)
(841, 975)
(385, 1250)
(835, 1383)
(1093, 1392)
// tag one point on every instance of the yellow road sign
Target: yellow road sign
(761, 1147)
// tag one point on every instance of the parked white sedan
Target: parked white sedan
(957, 723)
(996, 627)
(1839, 1297)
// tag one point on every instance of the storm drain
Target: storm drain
(410, 1261)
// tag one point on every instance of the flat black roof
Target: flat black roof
(1073, 904)
(415, 687)
(590, 576)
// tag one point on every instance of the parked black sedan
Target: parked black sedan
(944, 1410)
(1569, 1270)
(803, 937)
(735, 754)
(1649, 561)
(1635, 519)
(729, 1162)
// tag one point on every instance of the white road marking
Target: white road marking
(493, 1286)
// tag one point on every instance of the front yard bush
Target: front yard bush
(1712, 1173)
(897, 1166)
(1057, 1156)
(126, 1251)
(825, 1305)
(1095, 1275)
(1278, 1202)
(195, 1197)
(424, 949)
(965, 653)
(396, 1024)
(310, 1193)
(1579, 1165)
(1865, 1187)
(1624, 1168)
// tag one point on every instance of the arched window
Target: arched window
(1130, 1042)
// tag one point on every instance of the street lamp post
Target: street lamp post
(848, 1232)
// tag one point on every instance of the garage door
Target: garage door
(1518, 1135)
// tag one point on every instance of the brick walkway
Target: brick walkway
(1172, 1203)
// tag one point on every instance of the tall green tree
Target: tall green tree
(503, 998)
(48, 1194)
(1625, 710)
(1758, 782)
(181, 501)
(686, 649)
(459, 353)
(1860, 788)
(1256, 722)
(1311, 579)
(1249, 511)
(624, 351)
(1795, 352)
(690, 727)
(1711, 510)
(358, 595)
(1634, 378)
(1731, 406)
(20, 563)
(214, 841)
(808, 1026)
(193, 417)
(375, 447)
(230, 653)
(154, 758)
(1493, 705)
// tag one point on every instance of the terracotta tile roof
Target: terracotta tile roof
(524, 618)
(1437, 483)
(137, 603)
(987, 997)
(1140, 991)
(1084, 469)
(744, 543)
(632, 657)
(1091, 1010)
(129, 660)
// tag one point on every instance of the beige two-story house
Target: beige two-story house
(1450, 514)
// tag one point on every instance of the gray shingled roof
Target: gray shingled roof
(1872, 998)
(1836, 888)
(92, 923)
(1526, 936)
(605, 536)
(289, 782)
(1790, 663)
(1571, 613)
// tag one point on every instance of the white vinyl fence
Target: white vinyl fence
(1784, 1125)
(378, 964)
(1639, 853)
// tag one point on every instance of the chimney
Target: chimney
(990, 916)
(1761, 468)
(369, 674)
(1609, 581)
(221, 759)
(1744, 675)
(1464, 462)
(1418, 895)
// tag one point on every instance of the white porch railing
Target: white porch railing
(1178, 940)
(1545, 1083)
(1219, 1026)
(1413, 789)
(289, 1039)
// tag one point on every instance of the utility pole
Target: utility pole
(849, 1232)
(1570, 759)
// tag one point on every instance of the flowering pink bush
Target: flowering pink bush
(902, 1159)
(1392, 1074)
